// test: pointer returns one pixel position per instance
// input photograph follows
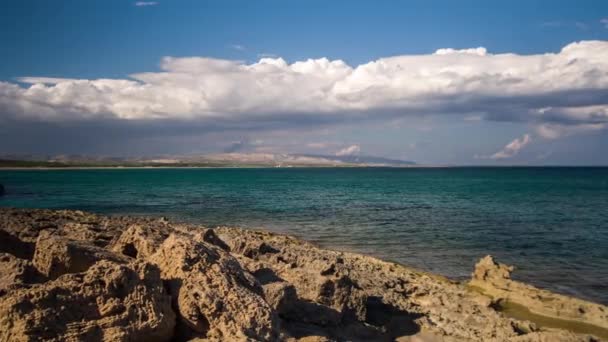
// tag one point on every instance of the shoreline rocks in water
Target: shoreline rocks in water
(71, 275)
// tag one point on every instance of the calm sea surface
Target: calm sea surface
(552, 223)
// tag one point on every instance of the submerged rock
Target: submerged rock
(70, 275)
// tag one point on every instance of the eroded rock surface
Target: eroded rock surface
(71, 275)
(107, 302)
(494, 279)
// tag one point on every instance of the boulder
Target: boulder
(108, 302)
(494, 280)
(281, 296)
(71, 275)
(212, 295)
(55, 255)
(139, 241)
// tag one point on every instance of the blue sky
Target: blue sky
(113, 39)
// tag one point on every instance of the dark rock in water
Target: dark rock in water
(2, 190)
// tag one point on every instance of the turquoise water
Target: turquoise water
(552, 223)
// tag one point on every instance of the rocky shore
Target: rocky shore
(76, 276)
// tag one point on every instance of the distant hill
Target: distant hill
(207, 160)
(367, 160)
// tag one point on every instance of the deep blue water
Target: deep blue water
(551, 223)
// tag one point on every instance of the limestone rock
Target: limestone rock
(55, 256)
(139, 241)
(281, 296)
(108, 302)
(213, 297)
(488, 269)
(15, 273)
(494, 279)
(126, 278)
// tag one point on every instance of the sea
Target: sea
(551, 223)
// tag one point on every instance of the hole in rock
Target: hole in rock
(130, 250)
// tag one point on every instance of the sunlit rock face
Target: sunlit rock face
(70, 275)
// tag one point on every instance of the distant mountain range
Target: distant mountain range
(210, 160)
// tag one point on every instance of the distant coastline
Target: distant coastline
(220, 160)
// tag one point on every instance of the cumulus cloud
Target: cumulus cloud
(146, 3)
(512, 148)
(568, 88)
(349, 151)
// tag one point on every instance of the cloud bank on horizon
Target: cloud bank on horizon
(569, 88)
(558, 94)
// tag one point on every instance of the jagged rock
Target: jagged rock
(108, 302)
(139, 241)
(281, 296)
(15, 273)
(211, 293)
(486, 269)
(135, 278)
(55, 256)
(494, 279)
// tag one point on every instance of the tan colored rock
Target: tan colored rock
(143, 278)
(415, 301)
(494, 279)
(109, 302)
(56, 255)
(212, 295)
(281, 296)
(15, 273)
(139, 241)
(12, 244)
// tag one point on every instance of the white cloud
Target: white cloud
(44, 80)
(605, 22)
(512, 148)
(480, 51)
(238, 47)
(569, 88)
(349, 151)
(146, 3)
(267, 55)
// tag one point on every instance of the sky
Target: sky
(436, 82)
